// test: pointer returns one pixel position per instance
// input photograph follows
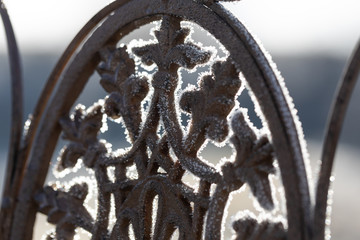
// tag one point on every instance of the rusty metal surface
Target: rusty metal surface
(162, 149)
(15, 166)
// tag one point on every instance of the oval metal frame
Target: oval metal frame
(263, 80)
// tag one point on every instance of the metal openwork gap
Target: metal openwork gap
(143, 185)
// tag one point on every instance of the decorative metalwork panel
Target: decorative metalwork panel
(162, 159)
(179, 205)
(144, 184)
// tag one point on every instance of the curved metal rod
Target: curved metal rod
(335, 123)
(50, 85)
(281, 120)
(16, 122)
(56, 73)
(21, 149)
(264, 83)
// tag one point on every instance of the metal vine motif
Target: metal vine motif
(180, 206)
(154, 201)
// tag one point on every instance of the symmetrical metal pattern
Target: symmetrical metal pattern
(162, 149)
(179, 205)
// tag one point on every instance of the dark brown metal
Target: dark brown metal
(56, 74)
(14, 163)
(165, 80)
(336, 119)
(161, 158)
(22, 155)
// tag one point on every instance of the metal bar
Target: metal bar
(336, 119)
(26, 192)
(58, 69)
(9, 193)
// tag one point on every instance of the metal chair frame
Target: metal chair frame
(162, 158)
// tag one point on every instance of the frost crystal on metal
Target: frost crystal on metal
(143, 191)
(160, 173)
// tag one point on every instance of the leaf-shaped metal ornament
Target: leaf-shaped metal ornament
(253, 161)
(171, 52)
(115, 68)
(249, 228)
(82, 129)
(117, 71)
(212, 102)
(65, 209)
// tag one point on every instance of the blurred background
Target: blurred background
(309, 41)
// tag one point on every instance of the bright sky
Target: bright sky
(284, 26)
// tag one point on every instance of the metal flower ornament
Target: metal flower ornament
(141, 191)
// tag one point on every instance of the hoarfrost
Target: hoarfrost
(203, 146)
(131, 232)
(287, 103)
(329, 210)
(197, 36)
(131, 172)
(111, 173)
(155, 204)
(112, 216)
(137, 43)
(189, 55)
(50, 234)
(63, 172)
(27, 124)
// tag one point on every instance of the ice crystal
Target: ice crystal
(249, 227)
(254, 160)
(154, 171)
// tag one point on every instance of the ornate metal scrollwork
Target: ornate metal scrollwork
(180, 206)
(156, 201)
